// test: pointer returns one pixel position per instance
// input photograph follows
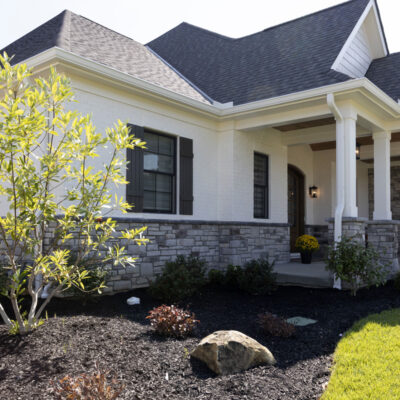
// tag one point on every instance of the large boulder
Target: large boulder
(228, 352)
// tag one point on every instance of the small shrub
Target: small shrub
(94, 281)
(257, 277)
(356, 264)
(275, 326)
(172, 321)
(233, 276)
(98, 386)
(179, 280)
(216, 278)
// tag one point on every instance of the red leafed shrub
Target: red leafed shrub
(275, 326)
(98, 386)
(172, 321)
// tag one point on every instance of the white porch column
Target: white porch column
(350, 162)
(382, 208)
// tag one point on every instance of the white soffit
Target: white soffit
(365, 43)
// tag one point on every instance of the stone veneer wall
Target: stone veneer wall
(351, 227)
(395, 191)
(384, 237)
(218, 243)
(321, 233)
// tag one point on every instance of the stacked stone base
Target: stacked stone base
(217, 243)
(382, 235)
(321, 233)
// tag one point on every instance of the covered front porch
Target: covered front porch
(343, 180)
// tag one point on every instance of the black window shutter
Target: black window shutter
(186, 176)
(135, 176)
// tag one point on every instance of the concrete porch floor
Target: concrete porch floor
(311, 275)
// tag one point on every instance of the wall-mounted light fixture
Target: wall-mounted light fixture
(358, 151)
(313, 191)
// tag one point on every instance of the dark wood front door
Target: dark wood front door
(296, 194)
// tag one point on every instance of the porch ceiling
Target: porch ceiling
(363, 141)
(305, 124)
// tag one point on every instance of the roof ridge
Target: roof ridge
(64, 36)
(212, 33)
(208, 31)
(109, 29)
(309, 15)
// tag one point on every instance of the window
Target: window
(260, 186)
(159, 160)
(151, 173)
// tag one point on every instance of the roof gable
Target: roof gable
(81, 36)
(365, 43)
(284, 59)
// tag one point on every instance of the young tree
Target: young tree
(53, 193)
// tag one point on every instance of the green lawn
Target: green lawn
(367, 360)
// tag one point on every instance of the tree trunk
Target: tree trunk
(5, 318)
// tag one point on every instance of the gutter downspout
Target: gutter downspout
(337, 284)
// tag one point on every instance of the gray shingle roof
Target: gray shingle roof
(88, 39)
(385, 73)
(284, 59)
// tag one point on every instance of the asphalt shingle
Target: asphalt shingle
(88, 39)
(284, 59)
(385, 73)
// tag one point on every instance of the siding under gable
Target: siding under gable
(358, 56)
(365, 44)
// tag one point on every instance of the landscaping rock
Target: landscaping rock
(228, 352)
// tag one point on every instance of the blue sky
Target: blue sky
(145, 20)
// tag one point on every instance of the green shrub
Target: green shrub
(172, 321)
(216, 278)
(358, 265)
(257, 277)
(94, 282)
(179, 280)
(233, 276)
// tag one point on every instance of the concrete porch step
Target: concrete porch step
(311, 275)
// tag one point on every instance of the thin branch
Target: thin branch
(43, 306)
(4, 316)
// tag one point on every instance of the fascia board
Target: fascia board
(57, 55)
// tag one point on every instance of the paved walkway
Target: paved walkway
(307, 275)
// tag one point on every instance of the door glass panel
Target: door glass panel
(292, 199)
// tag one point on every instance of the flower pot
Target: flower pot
(306, 257)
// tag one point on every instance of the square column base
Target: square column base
(384, 237)
(351, 228)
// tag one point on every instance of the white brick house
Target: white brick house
(240, 130)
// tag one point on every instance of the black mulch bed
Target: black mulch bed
(120, 338)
